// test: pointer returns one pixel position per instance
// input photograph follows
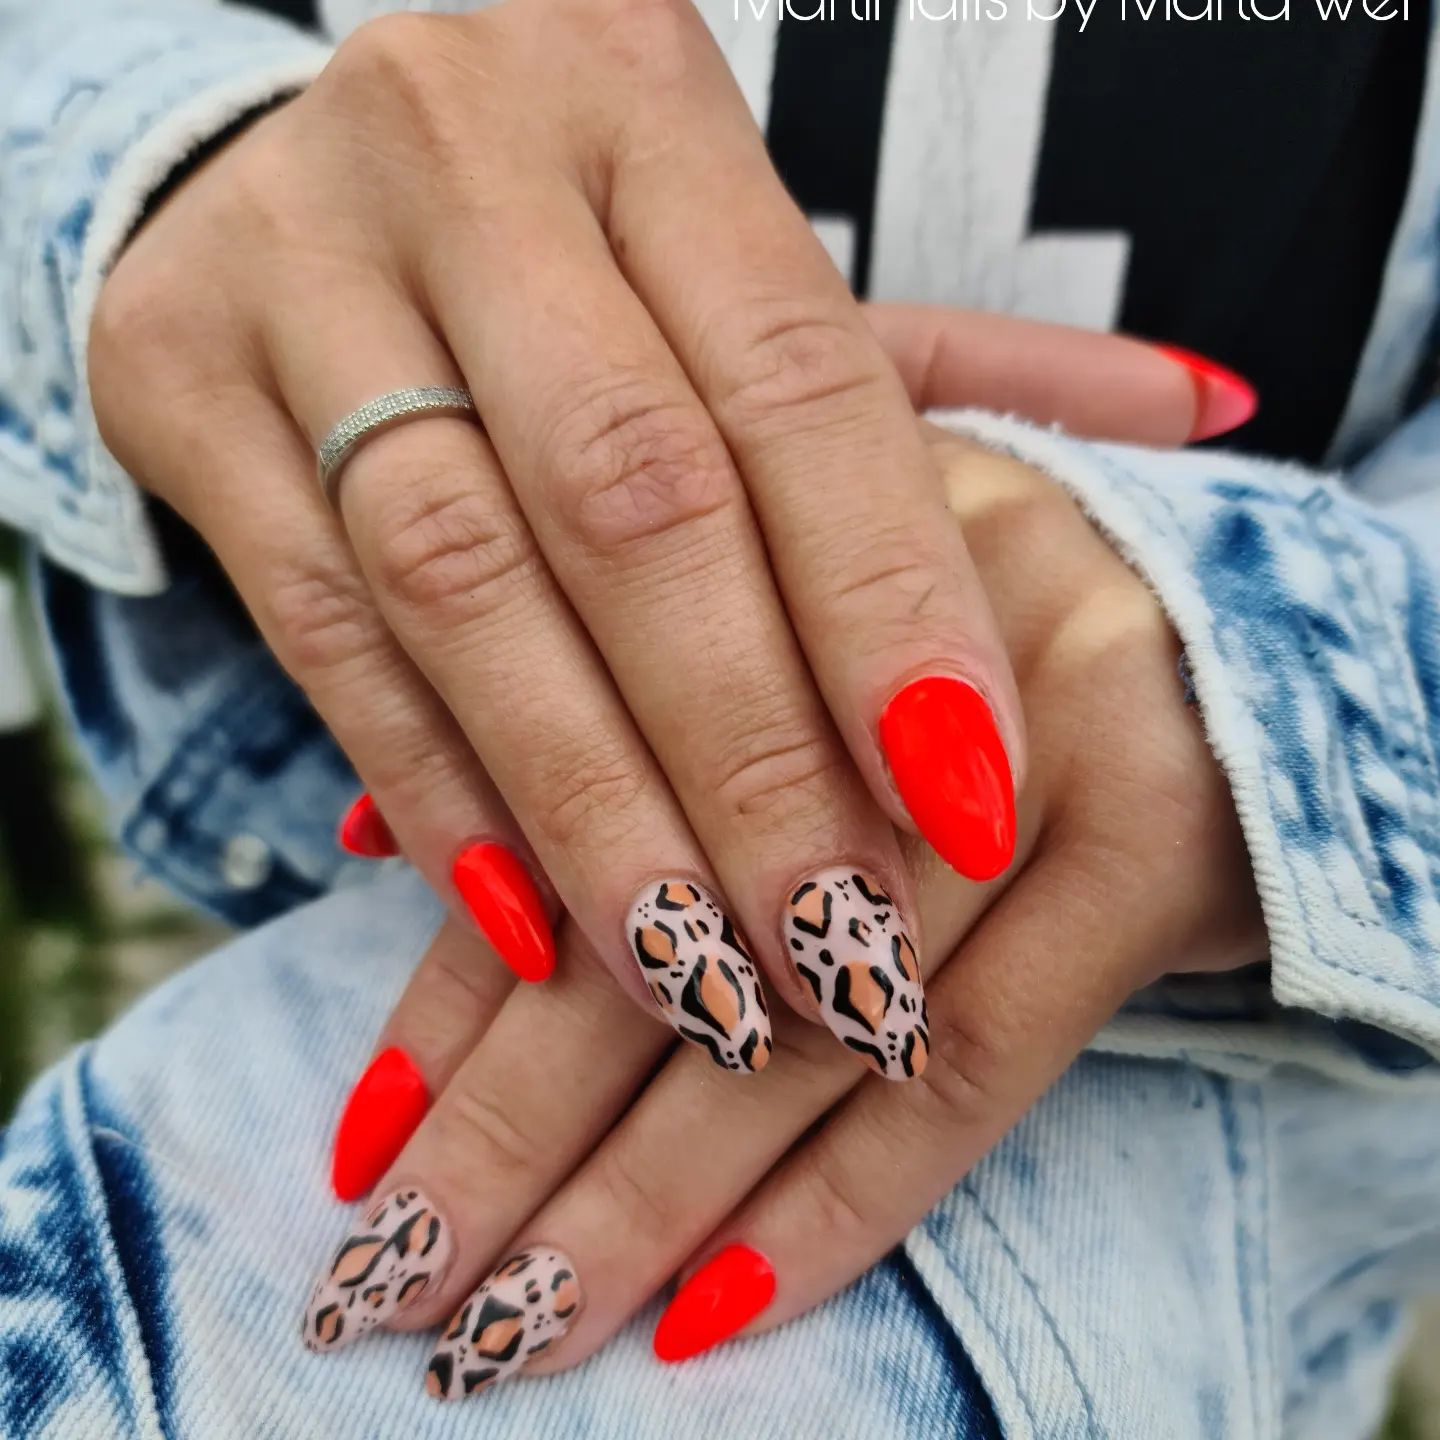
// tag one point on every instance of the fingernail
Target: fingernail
(849, 944)
(363, 831)
(397, 1252)
(1223, 400)
(701, 973)
(387, 1104)
(723, 1296)
(499, 893)
(950, 767)
(522, 1309)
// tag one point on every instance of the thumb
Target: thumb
(1104, 387)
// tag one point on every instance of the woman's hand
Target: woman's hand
(683, 618)
(1097, 385)
(1131, 864)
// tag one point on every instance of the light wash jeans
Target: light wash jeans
(1209, 1227)
(1157, 1251)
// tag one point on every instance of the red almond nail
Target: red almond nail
(723, 1296)
(507, 907)
(950, 767)
(363, 831)
(1224, 401)
(388, 1102)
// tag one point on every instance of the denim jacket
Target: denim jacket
(1308, 603)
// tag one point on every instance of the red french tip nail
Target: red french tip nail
(363, 831)
(388, 1102)
(950, 767)
(1224, 401)
(723, 1296)
(499, 893)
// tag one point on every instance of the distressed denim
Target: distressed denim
(1211, 1225)
(1159, 1249)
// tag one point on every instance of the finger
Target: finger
(456, 572)
(682, 1157)
(879, 586)
(246, 477)
(1104, 387)
(545, 1081)
(677, 1163)
(633, 499)
(1038, 977)
(448, 1004)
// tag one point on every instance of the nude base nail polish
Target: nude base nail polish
(700, 973)
(722, 1297)
(395, 1254)
(519, 1312)
(384, 1109)
(849, 944)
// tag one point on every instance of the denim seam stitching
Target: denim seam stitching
(105, 1245)
(1120, 479)
(993, 1225)
(1266, 1317)
(1393, 692)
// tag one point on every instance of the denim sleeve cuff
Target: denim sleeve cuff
(102, 103)
(1312, 633)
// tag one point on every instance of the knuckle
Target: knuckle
(642, 1202)
(775, 775)
(959, 1080)
(408, 64)
(628, 464)
(649, 39)
(798, 362)
(443, 548)
(894, 581)
(136, 328)
(320, 617)
(386, 49)
(473, 1121)
(840, 1212)
(581, 798)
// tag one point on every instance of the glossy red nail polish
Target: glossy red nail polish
(388, 1102)
(723, 1296)
(507, 907)
(950, 767)
(1224, 401)
(363, 831)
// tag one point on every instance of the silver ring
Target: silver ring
(380, 414)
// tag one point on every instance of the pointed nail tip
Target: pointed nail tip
(363, 832)
(347, 1190)
(1224, 399)
(1224, 413)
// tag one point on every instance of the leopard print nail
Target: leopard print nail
(395, 1255)
(701, 974)
(526, 1305)
(849, 945)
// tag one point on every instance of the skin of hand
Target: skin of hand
(602, 1177)
(612, 651)
(1097, 385)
